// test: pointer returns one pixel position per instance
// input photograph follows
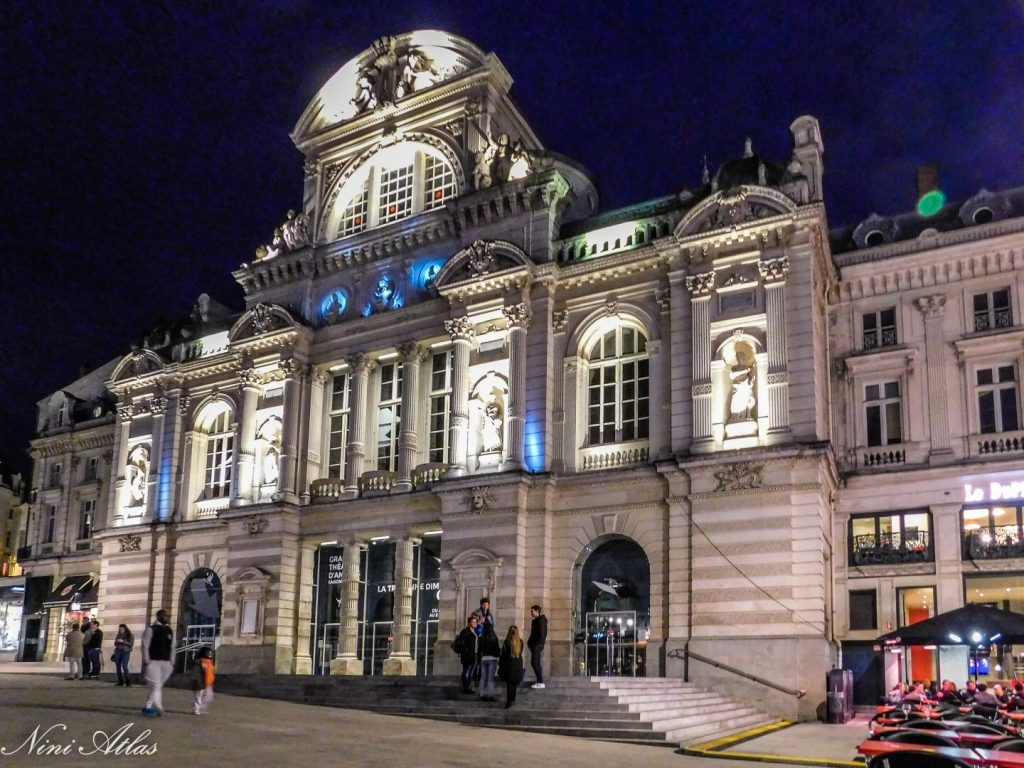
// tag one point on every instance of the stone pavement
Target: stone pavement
(247, 732)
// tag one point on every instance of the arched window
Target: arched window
(618, 384)
(217, 441)
(399, 181)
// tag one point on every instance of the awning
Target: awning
(81, 589)
(12, 594)
(970, 625)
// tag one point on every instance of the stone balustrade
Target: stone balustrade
(376, 482)
(327, 488)
(618, 455)
(425, 475)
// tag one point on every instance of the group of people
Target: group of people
(484, 658)
(83, 651)
(1008, 695)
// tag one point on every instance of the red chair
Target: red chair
(915, 760)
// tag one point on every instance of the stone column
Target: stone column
(773, 274)
(700, 288)
(245, 438)
(303, 662)
(317, 416)
(412, 357)
(462, 333)
(401, 661)
(170, 473)
(289, 431)
(157, 408)
(518, 316)
(347, 662)
(120, 461)
(658, 418)
(574, 417)
(355, 456)
(933, 308)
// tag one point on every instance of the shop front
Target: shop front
(74, 601)
(12, 602)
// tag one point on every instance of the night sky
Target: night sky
(146, 150)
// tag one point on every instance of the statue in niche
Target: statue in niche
(385, 296)
(137, 475)
(270, 466)
(489, 397)
(268, 438)
(491, 427)
(332, 312)
(522, 164)
(742, 403)
(501, 160)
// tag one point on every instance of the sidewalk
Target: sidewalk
(243, 731)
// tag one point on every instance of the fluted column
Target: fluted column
(462, 333)
(170, 454)
(933, 308)
(518, 316)
(347, 662)
(700, 288)
(245, 437)
(355, 457)
(412, 357)
(773, 275)
(119, 462)
(303, 662)
(289, 431)
(401, 661)
(157, 408)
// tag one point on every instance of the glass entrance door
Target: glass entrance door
(613, 644)
(377, 647)
(196, 636)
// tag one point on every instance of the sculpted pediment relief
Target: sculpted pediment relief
(261, 319)
(733, 207)
(481, 260)
(138, 362)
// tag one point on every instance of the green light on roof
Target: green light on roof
(931, 202)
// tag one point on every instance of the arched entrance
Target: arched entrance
(199, 618)
(613, 608)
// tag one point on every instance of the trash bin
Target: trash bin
(839, 698)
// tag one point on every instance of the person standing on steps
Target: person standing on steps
(490, 651)
(73, 652)
(538, 637)
(123, 644)
(95, 650)
(157, 652)
(467, 645)
(510, 666)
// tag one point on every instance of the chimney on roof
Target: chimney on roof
(927, 179)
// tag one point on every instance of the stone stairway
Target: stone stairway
(655, 711)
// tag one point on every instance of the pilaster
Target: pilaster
(412, 357)
(315, 437)
(773, 275)
(289, 430)
(157, 408)
(462, 333)
(518, 317)
(933, 308)
(250, 381)
(700, 288)
(355, 458)
(303, 662)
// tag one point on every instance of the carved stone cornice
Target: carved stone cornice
(773, 270)
(517, 315)
(249, 378)
(932, 306)
(184, 402)
(460, 329)
(125, 412)
(158, 406)
(700, 285)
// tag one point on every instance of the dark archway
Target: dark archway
(614, 608)
(202, 601)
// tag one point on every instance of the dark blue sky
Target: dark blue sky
(146, 149)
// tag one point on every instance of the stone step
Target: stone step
(718, 728)
(603, 734)
(521, 715)
(670, 723)
(512, 717)
(720, 734)
(647, 712)
(660, 698)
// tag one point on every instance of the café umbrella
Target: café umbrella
(971, 625)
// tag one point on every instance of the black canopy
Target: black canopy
(958, 627)
(83, 587)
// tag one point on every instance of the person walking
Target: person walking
(538, 637)
(490, 652)
(74, 649)
(157, 652)
(123, 644)
(203, 674)
(467, 646)
(95, 649)
(511, 664)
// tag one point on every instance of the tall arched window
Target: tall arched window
(618, 384)
(399, 181)
(215, 441)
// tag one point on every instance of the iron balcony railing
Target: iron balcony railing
(892, 548)
(996, 318)
(885, 337)
(995, 543)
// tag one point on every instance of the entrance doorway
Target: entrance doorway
(199, 618)
(613, 618)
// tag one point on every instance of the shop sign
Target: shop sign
(994, 491)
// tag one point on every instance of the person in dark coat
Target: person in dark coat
(510, 665)
(538, 637)
(467, 646)
(490, 652)
(95, 650)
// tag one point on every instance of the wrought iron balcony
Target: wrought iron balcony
(886, 337)
(994, 543)
(892, 549)
(997, 318)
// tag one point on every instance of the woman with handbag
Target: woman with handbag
(123, 644)
(510, 664)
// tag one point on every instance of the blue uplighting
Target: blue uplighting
(425, 272)
(332, 306)
(533, 448)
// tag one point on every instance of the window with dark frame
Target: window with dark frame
(882, 408)
(992, 310)
(879, 328)
(863, 609)
(993, 531)
(888, 538)
(997, 399)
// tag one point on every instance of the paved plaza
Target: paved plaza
(246, 731)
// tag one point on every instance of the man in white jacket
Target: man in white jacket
(157, 664)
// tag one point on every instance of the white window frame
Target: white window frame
(990, 318)
(440, 407)
(341, 417)
(218, 441)
(882, 402)
(615, 363)
(993, 389)
(389, 399)
(86, 514)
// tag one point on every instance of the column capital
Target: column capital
(517, 315)
(663, 296)
(320, 376)
(411, 352)
(932, 306)
(460, 329)
(249, 378)
(773, 271)
(184, 402)
(361, 363)
(701, 285)
(158, 405)
(559, 320)
(289, 367)
(125, 412)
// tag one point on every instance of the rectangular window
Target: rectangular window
(337, 439)
(389, 416)
(879, 328)
(891, 538)
(92, 468)
(882, 412)
(914, 604)
(50, 524)
(438, 182)
(440, 405)
(395, 194)
(997, 399)
(87, 519)
(863, 609)
(219, 456)
(56, 470)
(250, 616)
(993, 532)
(353, 219)
(992, 310)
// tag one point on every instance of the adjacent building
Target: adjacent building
(701, 430)
(13, 533)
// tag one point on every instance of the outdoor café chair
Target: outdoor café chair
(926, 725)
(1010, 745)
(915, 760)
(924, 738)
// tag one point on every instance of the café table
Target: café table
(967, 739)
(873, 747)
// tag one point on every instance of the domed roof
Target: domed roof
(392, 68)
(753, 170)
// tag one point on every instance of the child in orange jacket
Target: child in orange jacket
(203, 674)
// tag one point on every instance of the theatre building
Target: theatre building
(456, 376)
